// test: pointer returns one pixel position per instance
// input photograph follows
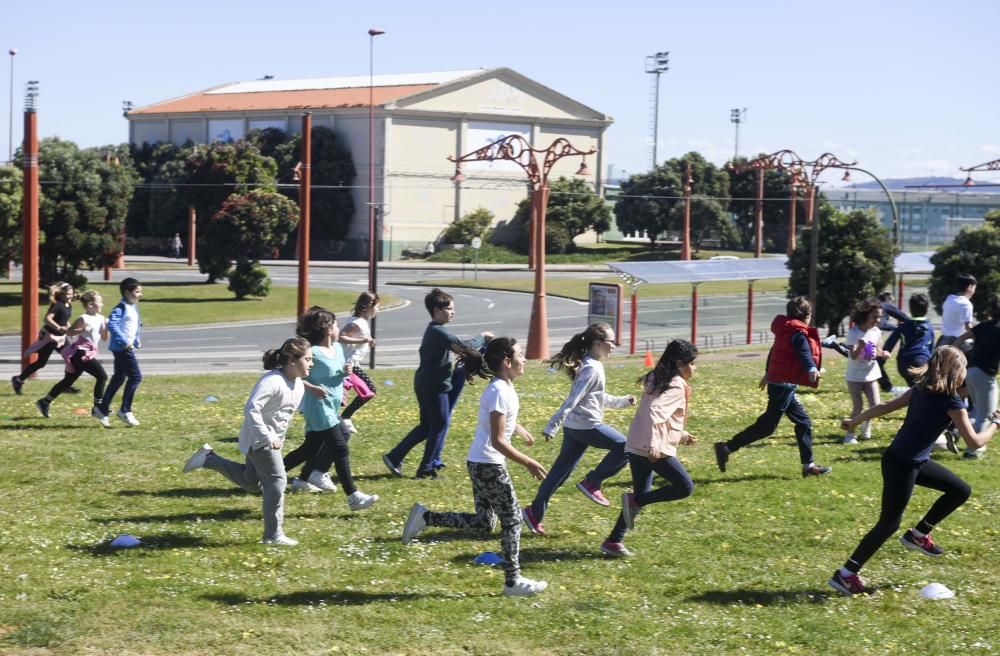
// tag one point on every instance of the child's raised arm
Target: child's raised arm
(885, 408)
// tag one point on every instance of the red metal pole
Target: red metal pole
(694, 313)
(791, 224)
(531, 235)
(192, 233)
(686, 246)
(538, 328)
(899, 297)
(305, 191)
(635, 320)
(29, 252)
(758, 221)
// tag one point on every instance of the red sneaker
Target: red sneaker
(593, 492)
(529, 518)
(849, 585)
(924, 545)
(615, 549)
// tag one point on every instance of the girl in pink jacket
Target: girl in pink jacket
(658, 427)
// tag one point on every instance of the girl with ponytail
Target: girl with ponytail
(266, 417)
(582, 417)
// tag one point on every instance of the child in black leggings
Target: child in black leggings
(931, 404)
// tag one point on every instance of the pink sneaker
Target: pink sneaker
(593, 492)
(533, 524)
(849, 585)
(615, 549)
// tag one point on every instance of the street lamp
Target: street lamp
(29, 227)
(686, 241)
(656, 65)
(10, 119)
(516, 148)
(372, 236)
(985, 166)
(737, 116)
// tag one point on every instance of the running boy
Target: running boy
(124, 325)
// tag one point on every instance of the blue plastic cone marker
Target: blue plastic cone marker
(211, 398)
(388, 383)
(488, 558)
(125, 541)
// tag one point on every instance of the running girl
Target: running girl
(357, 340)
(863, 340)
(52, 336)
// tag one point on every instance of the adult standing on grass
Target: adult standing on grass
(125, 327)
(326, 435)
(659, 425)
(581, 416)
(984, 361)
(52, 336)
(81, 355)
(794, 360)
(863, 371)
(266, 417)
(492, 487)
(931, 404)
(357, 340)
(432, 385)
(956, 312)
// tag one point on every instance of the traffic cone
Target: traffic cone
(649, 359)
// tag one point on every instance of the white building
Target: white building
(420, 120)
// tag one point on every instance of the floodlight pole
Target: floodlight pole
(29, 252)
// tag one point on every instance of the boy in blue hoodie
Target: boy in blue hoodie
(124, 326)
(916, 337)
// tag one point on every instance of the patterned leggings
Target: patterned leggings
(358, 401)
(493, 492)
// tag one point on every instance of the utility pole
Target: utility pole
(655, 65)
(737, 116)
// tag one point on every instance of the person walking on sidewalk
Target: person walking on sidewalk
(794, 360)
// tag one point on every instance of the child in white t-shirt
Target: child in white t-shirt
(492, 488)
(864, 341)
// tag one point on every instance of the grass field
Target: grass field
(583, 254)
(738, 568)
(173, 304)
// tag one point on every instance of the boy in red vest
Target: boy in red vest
(794, 360)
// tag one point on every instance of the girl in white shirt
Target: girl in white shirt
(864, 340)
(266, 417)
(356, 338)
(582, 417)
(492, 488)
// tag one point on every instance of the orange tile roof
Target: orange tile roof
(280, 100)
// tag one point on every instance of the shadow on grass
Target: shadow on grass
(374, 477)
(764, 597)
(865, 454)
(45, 426)
(188, 299)
(741, 479)
(228, 439)
(223, 515)
(325, 597)
(160, 541)
(435, 534)
(185, 492)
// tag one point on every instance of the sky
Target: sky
(906, 88)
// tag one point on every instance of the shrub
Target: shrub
(249, 278)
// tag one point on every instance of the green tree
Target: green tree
(82, 207)
(975, 251)
(247, 228)
(708, 221)
(649, 200)
(855, 261)
(159, 207)
(573, 209)
(10, 216)
(476, 223)
(777, 206)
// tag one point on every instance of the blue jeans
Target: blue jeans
(126, 367)
(781, 400)
(679, 485)
(575, 442)
(435, 413)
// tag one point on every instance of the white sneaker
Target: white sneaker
(282, 540)
(415, 522)
(524, 587)
(101, 417)
(197, 459)
(322, 480)
(849, 438)
(349, 425)
(300, 485)
(359, 500)
(128, 418)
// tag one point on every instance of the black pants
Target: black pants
(780, 401)
(92, 367)
(356, 404)
(884, 381)
(899, 476)
(42, 358)
(320, 450)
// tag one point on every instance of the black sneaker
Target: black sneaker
(427, 473)
(951, 437)
(391, 466)
(815, 470)
(721, 455)
(970, 455)
(17, 384)
(924, 545)
(43, 407)
(72, 390)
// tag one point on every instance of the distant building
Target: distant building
(420, 119)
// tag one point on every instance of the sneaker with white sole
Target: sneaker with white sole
(359, 500)
(415, 522)
(322, 480)
(349, 425)
(615, 549)
(299, 485)
(282, 540)
(850, 584)
(528, 515)
(197, 459)
(523, 587)
(127, 417)
(592, 492)
(951, 440)
(849, 438)
(393, 468)
(100, 416)
(924, 545)
(629, 510)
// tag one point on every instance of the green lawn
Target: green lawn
(172, 304)
(738, 568)
(579, 288)
(584, 254)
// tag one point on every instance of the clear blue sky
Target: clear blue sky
(905, 87)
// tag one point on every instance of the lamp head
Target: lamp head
(458, 177)
(583, 170)
(969, 182)
(847, 177)
(375, 32)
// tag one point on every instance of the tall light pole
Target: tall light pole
(655, 65)
(10, 120)
(686, 237)
(29, 238)
(516, 148)
(737, 116)
(372, 228)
